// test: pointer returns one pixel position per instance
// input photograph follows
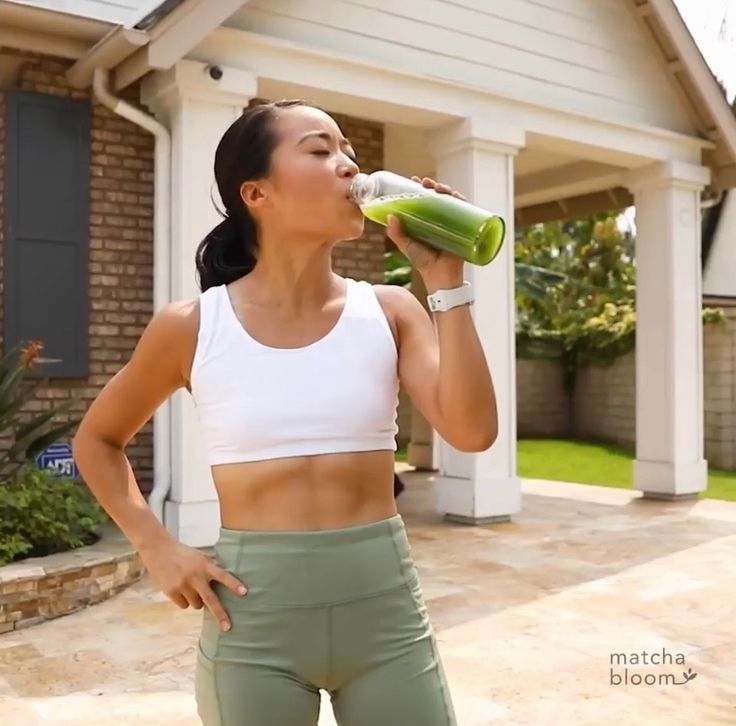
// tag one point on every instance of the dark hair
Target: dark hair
(230, 250)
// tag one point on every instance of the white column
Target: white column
(476, 157)
(198, 109)
(669, 348)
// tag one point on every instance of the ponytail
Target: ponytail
(230, 250)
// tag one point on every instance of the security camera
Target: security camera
(215, 72)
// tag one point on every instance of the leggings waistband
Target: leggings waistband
(300, 568)
(314, 537)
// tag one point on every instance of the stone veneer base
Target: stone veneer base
(41, 588)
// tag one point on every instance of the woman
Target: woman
(294, 371)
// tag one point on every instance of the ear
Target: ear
(253, 194)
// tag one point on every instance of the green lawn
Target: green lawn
(602, 464)
(594, 463)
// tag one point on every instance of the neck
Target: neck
(292, 278)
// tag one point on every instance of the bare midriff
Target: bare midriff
(326, 491)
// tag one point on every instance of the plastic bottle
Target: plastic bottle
(439, 220)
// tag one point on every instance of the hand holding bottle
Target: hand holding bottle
(430, 213)
(437, 267)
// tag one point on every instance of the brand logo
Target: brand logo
(645, 668)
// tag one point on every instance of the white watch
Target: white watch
(442, 300)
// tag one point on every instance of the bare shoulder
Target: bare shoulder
(399, 301)
(156, 369)
(179, 316)
(402, 308)
(173, 330)
(396, 298)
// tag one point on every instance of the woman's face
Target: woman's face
(306, 191)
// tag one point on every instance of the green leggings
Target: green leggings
(340, 610)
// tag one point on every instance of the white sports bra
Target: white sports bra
(255, 402)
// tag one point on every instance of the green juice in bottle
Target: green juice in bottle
(438, 220)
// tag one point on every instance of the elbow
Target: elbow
(79, 441)
(85, 445)
(484, 443)
(78, 445)
(479, 441)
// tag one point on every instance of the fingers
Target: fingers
(192, 597)
(178, 599)
(430, 183)
(393, 230)
(425, 181)
(213, 604)
(444, 189)
(418, 253)
(227, 579)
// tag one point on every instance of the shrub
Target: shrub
(42, 513)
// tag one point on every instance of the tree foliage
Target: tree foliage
(590, 316)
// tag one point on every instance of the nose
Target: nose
(349, 168)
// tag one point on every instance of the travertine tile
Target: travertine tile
(527, 615)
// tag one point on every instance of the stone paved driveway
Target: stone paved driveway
(527, 616)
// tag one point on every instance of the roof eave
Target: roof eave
(695, 84)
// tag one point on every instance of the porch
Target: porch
(527, 163)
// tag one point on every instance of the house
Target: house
(111, 113)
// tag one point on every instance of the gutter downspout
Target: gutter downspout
(161, 267)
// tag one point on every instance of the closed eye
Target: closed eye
(325, 152)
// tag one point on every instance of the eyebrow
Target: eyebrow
(323, 135)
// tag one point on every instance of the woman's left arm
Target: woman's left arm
(442, 365)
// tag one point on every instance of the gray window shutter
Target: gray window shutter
(46, 215)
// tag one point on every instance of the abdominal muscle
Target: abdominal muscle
(327, 491)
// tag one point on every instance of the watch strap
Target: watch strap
(446, 299)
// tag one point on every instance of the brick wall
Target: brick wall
(121, 249)
(363, 259)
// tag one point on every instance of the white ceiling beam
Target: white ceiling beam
(602, 201)
(567, 180)
(135, 66)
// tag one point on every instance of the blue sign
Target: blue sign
(58, 458)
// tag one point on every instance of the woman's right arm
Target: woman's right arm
(158, 367)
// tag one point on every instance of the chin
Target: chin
(352, 230)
